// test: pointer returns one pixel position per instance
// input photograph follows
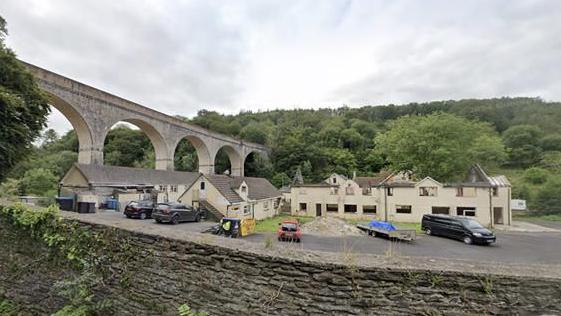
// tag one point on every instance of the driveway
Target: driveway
(511, 247)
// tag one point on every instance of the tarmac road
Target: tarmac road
(511, 247)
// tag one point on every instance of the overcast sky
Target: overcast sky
(182, 56)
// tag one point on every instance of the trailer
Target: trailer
(387, 231)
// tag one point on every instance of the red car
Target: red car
(289, 230)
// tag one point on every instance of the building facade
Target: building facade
(399, 197)
(241, 197)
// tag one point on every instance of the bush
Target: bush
(39, 182)
(536, 175)
(521, 192)
(548, 198)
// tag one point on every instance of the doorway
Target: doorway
(318, 209)
(498, 215)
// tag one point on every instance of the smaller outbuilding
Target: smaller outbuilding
(242, 197)
(98, 183)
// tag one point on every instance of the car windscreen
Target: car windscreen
(470, 223)
(145, 203)
(133, 204)
(289, 227)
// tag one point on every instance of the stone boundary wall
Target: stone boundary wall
(226, 281)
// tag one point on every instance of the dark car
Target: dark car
(175, 213)
(139, 209)
(458, 227)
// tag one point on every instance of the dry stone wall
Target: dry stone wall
(224, 281)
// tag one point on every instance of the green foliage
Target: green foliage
(523, 143)
(439, 145)
(548, 197)
(40, 182)
(185, 310)
(126, 147)
(7, 307)
(551, 142)
(10, 188)
(23, 108)
(89, 251)
(535, 175)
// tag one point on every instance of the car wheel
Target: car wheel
(279, 239)
(298, 240)
(174, 220)
(467, 240)
(128, 216)
(198, 218)
(428, 231)
(143, 216)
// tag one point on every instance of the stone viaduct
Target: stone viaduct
(93, 112)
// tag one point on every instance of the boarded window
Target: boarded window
(403, 209)
(495, 191)
(465, 211)
(332, 207)
(440, 210)
(349, 190)
(369, 209)
(334, 191)
(367, 191)
(350, 208)
(460, 191)
(427, 191)
(303, 207)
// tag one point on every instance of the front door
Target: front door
(498, 215)
(318, 209)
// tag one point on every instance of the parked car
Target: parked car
(458, 227)
(175, 213)
(139, 209)
(289, 230)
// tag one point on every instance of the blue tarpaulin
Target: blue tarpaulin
(382, 225)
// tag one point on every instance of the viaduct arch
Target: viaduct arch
(92, 113)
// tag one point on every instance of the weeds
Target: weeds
(268, 242)
(487, 285)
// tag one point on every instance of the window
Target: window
(334, 180)
(244, 188)
(202, 185)
(276, 203)
(349, 190)
(389, 191)
(465, 211)
(495, 191)
(440, 210)
(427, 191)
(369, 209)
(403, 209)
(350, 208)
(246, 210)
(466, 192)
(367, 191)
(173, 188)
(266, 205)
(334, 191)
(303, 207)
(332, 207)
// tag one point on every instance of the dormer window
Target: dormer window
(202, 185)
(244, 189)
(334, 180)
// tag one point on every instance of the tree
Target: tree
(439, 145)
(551, 142)
(41, 182)
(523, 143)
(535, 175)
(548, 198)
(23, 108)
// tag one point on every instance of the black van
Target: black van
(458, 227)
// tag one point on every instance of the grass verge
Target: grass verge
(271, 224)
(529, 217)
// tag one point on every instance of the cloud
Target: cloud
(228, 56)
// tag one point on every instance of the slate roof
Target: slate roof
(366, 182)
(257, 188)
(99, 175)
